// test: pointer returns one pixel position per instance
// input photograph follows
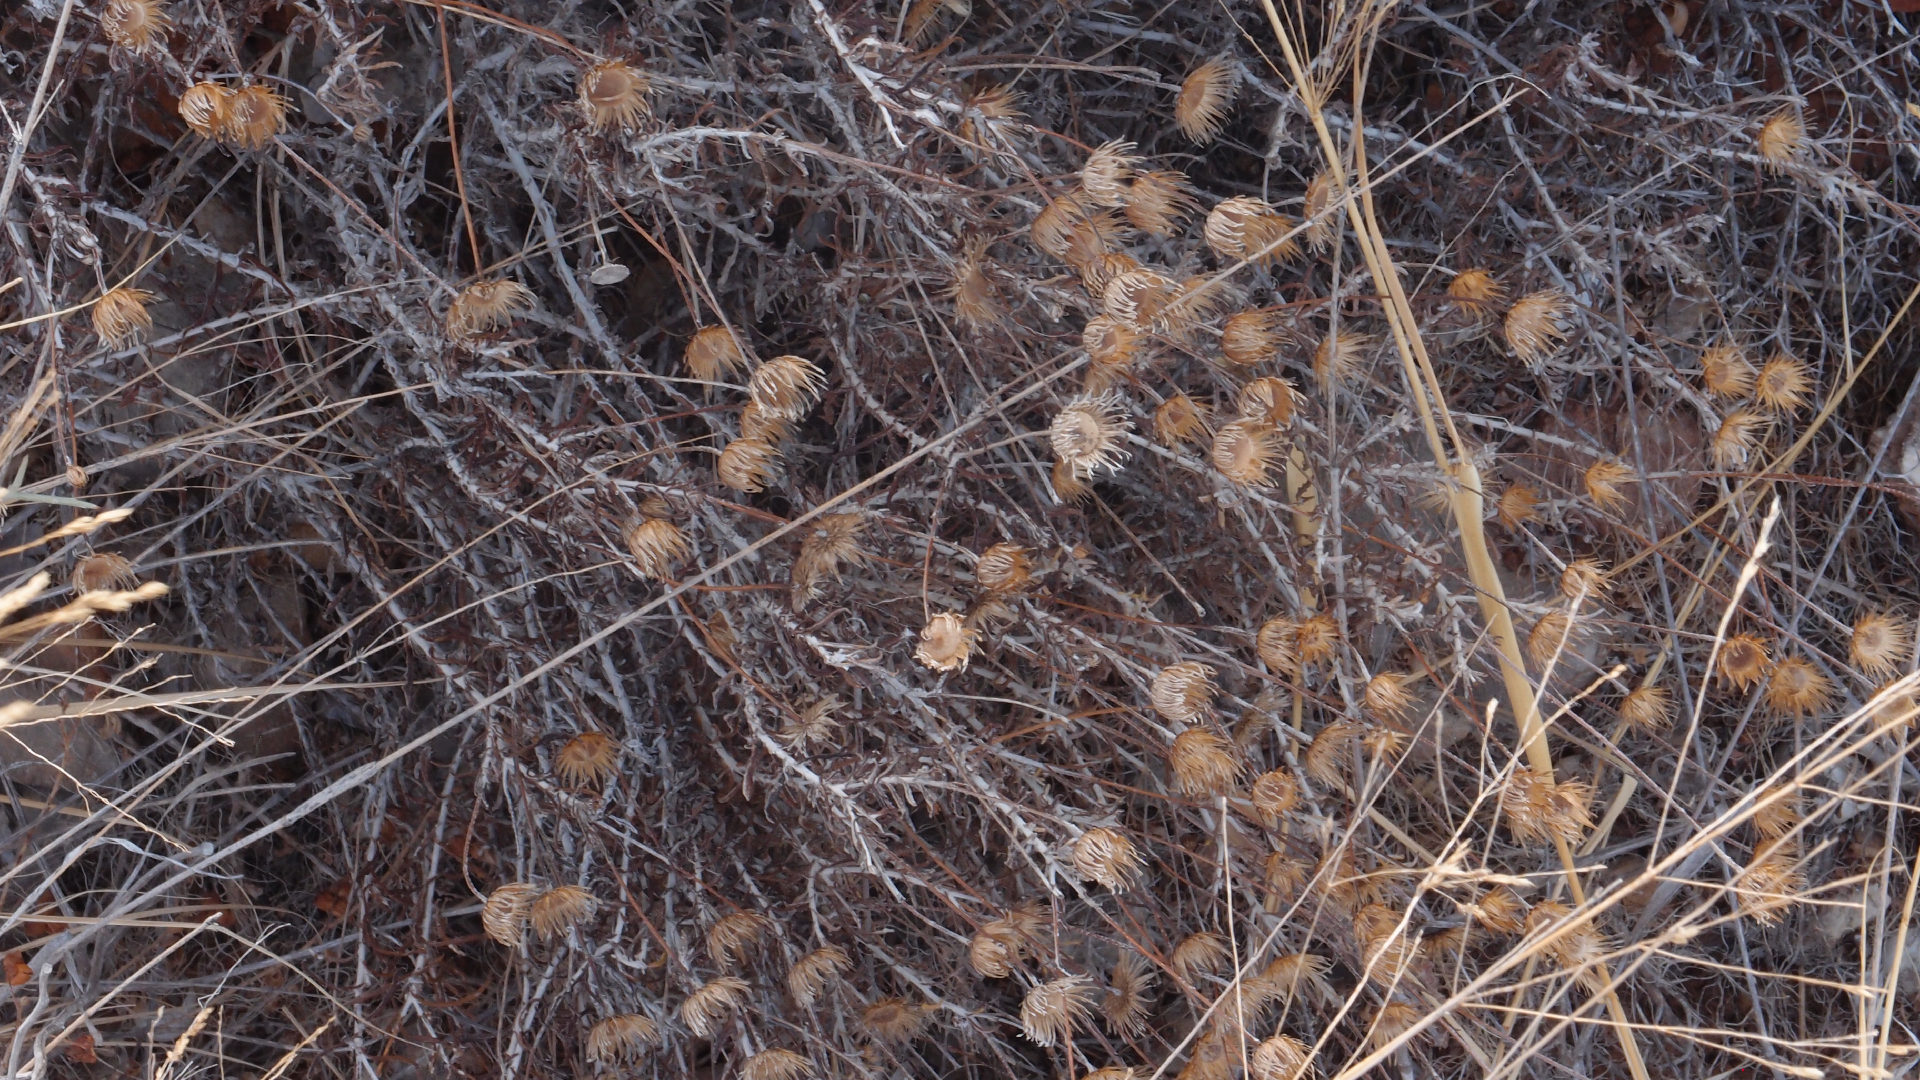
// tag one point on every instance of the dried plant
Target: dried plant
(560, 909)
(613, 96)
(1106, 857)
(589, 759)
(622, 1038)
(1183, 692)
(1205, 95)
(505, 913)
(1051, 1010)
(707, 1010)
(813, 973)
(120, 317)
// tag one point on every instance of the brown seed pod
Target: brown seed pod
(1003, 568)
(1783, 384)
(748, 464)
(1797, 688)
(1317, 638)
(831, 543)
(945, 643)
(1139, 298)
(707, 1010)
(1476, 290)
(1291, 976)
(1275, 793)
(1268, 401)
(995, 950)
(1053, 227)
(1744, 661)
(776, 1065)
(815, 723)
(1104, 178)
(1067, 486)
(1179, 419)
(1500, 910)
(1097, 272)
(589, 759)
(1555, 631)
(136, 26)
(613, 96)
(486, 306)
(1202, 763)
(1537, 323)
(1880, 646)
(1245, 452)
(1341, 357)
(729, 938)
(1183, 692)
(1278, 645)
(1250, 337)
(810, 976)
(561, 908)
(1580, 950)
(657, 544)
(786, 387)
(1106, 857)
(1781, 141)
(713, 352)
(1282, 1057)
(757, 425)
(619, 1039)
(1157, 202)
(1088, 433)
(1648, 708)
(1603, 480)
(1537, 808)
(1130, 988)
(253, 116)
(120, 316)
(103, 572)
(1386, 695)
(1726, 372)
(504, 915)
(1517, 505)
(204, 107)
(892, 1020)
(1201, 107)
(1203, 953)
(1050, 1010)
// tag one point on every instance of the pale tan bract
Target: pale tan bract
(1246, 452)
(1104, 178)
(1130, 986)
(1782, 141)
(1158, 202)
(137, 26)
(1088, 433)
(713, 353)
(1201, 953)
(204, 107)
(1179, 419)
(1797, 688)
(486, 306)
(729, 938)
(1282, 1057)
(1201, 107)
(776, 1065)
(1202, 763)
(1726, 372)
(707, 1009)
(1003, 568)
(253, 116)
(1277, 645)
(1537, 323)
(657, 544)
(560, 909)
(748, 464)
(786, 386)
(1648, 708)
(813, 973)
(589, 759)
(1744, 661)
(1879, 645)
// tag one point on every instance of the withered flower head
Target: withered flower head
(1776, 813)
(748, 464)
(1648, 708)
(1319, 212)
(1782, 139)
(786, 386)
(561, 908)
(1183, 692)
(204, 107)
(1585, 576)
(1088, 434)
(1394, 1019)
(814, 723)
(138, 26)
(1269, 401)
(1109, 343)
(589, 759)
(1201, 107)
(486, 306)
(945, 642)
(1603, 480)
(1103, 179)
(1744, 660)
(1233, 228)
(1537, 323)
(1050, 1010)
(972, 291)
(1341, 357)
(1725, 372)
(1202, 763)
(1128, 999)
(253, 116)
(621, 1038)
(1316, 639)
(1772, 883)
(816, 971)
(1200, 953)
(1797, 688)
(1517, 505)
(1738, 434)
(1139, 298)
(103, 572)
(613, 95)
(1277, 644)
(1879, 645)
(657, 544)
(1283, 875)
(1275, 793)
(1579, 950)
(1106, 857)
(120, 317)
(892, 1020)
(714, 352)
(1003, 568)
(504, 915)
(1179, 419)
(732, 935)
(1537, 808)
(1554, 631)
(1245, 452)
(1282, 1057)
(1249, 337)
(1476, 289)
(1386, 695)
(1159, 201)
(755, 424)
(708, 1008)
(1783, 384)
(1500, 910)
(776, 1065)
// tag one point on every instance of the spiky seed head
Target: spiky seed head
(1050, 1011)
(1197, 299)
(1249, 337)
(1245, 452)
(589, 759)
(1201, 107)
(1647, 708)
(707, 1010)
(974, 298)
(1202, 763)
(1003, 568)
(1089, 432)
(1537, 323)
(1726, 372)
(613, 96)
(1386, 695)
(1110, 1072)
(486, 306)
(1275, 793)
(946, 642)
(1106, 857)
(988, 113)
(1053, 227)
(1291, 976)
(756, 424)
(1283, 875)
(656, 544)
(1738, 434)
(1329, 753)
(1110, 343)
(1069, 487)
(1385, 946)
(1202, 953)
(748, 464)
(1159, 201)
(786, 386)
(776, 1065)
(561, 908)
(1538, 809)
(892, 1020)
(1179, 419)
(1232, 226)
(1317, 638)
(1103, 179)
(137, 26)
(1744, 661)
(1139, 298)
(1500, 910)
(1603, 481)
(1776, 812)
(1517, 505)
(1183, 692)
(1278, 645)
(1783, 385)
(1267, 401)
(1772, 882)
(732, 935)
(1394, 1019)
(622, 1038)
(1580, 950)
(995, 950)
(1272, 238)
(1476, 290)
(1319, 212)
(1341, 357)
(832, 542)
(1130, 986)
(504, 915)
(1554, 630)
(1584, 577)
(103, 571)
(714, 352)
(204, 107)
(1880, 645)
(808, 978)
(1099, 271)
(253, 116)
(1797, 688)
(1782, 139)
(1282, 1057)
(1894, 703)
(120, 317)
(813, 723)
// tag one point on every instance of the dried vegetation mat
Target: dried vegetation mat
(1063, 539)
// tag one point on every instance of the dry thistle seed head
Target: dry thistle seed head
(1275, 793)
(1386, 695)
(589, 759)
(1329, 754)
(1103, 179)
(1342, 357)
(1725, 372)
(1111, 1072)
(1775, 813)
(1283, 875)
(1517, 505)
(1198, 954)
(945, 642)
(1201, 107)
(1179, 419)
(1738, 434)
(815, 723)
(892, 1020)
(504, 915)
(103, 572)
(1538, 809)
(1282, 1057)
(1053, 227)
(1647, 708)
(253, 116)
(1500, 910)
(1050, 1010)
(1202, 763)
(1099, 271)
(776, 1065)
(1197, 300)
(1893, 704)
(1130, 986)
(819, 969)
(1394, 1019)
(1268, 401)
(619, 1039)
(1537, 323)
(1318, 210)
(748, 464)
(561, 908)
(1385, 946)
(613, 96)
(1088, 433)
(1109, 343)
(1797, 688)
(1585, 576)
(1880, 646)
(729, 938)
(1003, 568)
(1249, 338)
(656, 544)
(832, 541)
(1106, 857)
(1555, 631)
(714, 352)
(786, 387)
(972, 292)
(1245, 452)
(120, 317)
(1743, 661)
(1772, 882)
(995, 950)
(756, 424)
(708, 1008)
(1158, 202)
(1139, 298)
(1290, 977)
(1783, 384)
(204, 107)
(1781, 141)
(1272, 238)
(486, 306)
(1578, 950)
(989, 113)
(1603, 480)
(137, 26)
(1069, 487)
(1277, 644)
(1183, 692)
(1476, 290)
(1232, 226)
(1317, 638)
